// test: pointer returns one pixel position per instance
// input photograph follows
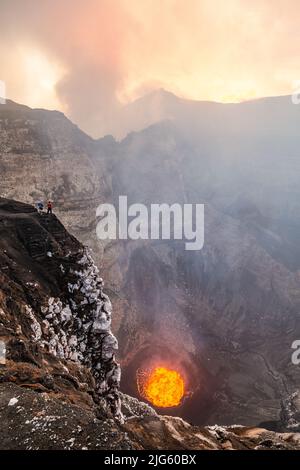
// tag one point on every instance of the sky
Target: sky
(88, 58)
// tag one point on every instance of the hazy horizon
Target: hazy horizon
(155, 116)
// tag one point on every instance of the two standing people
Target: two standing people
(40, 207)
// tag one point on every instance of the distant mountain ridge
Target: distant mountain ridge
(161, 105)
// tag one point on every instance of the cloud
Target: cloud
(86, 40)
(99, 53)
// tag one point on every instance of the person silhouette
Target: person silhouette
(49, 207)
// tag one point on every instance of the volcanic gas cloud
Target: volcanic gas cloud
(161, 386)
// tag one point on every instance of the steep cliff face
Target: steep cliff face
(58, 376)
(53, 309)
(227, 315)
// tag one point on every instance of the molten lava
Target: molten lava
(161, 386)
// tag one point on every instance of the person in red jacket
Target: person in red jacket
(49, 207)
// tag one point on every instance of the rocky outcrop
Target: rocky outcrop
(52, 305)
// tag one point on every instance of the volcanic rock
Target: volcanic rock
(55, 316)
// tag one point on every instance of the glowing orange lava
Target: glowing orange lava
(162, 387)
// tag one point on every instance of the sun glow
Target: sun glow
(33, 81)
(41, 77)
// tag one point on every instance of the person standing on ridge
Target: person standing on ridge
(49, 207)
